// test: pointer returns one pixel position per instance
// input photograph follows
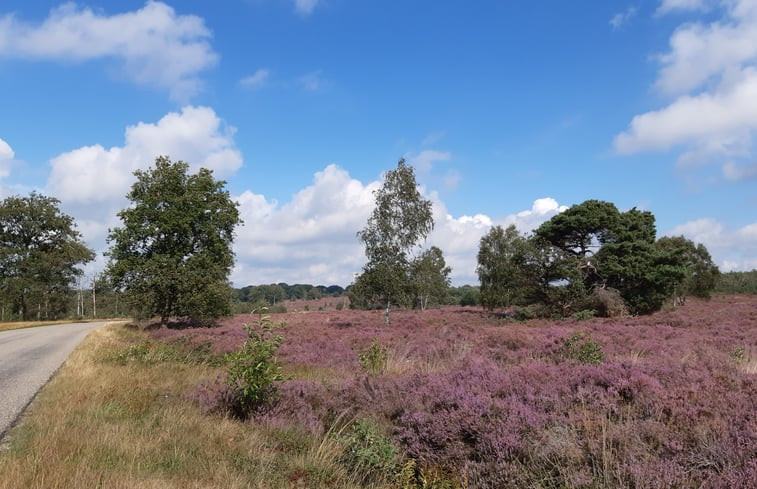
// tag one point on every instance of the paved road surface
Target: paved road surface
(28, 358)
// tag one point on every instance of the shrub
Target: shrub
(582, 350)
(608, 303)
(253, 370)
(584, 314)
(373, 360)
(368, 452)
(340, 305)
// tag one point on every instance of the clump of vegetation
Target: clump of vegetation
(369, 452)
(584, 314)
(373, 359)
(582, 349)
(253, 371)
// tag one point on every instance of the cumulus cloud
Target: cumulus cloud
(459, 237)
(312, 238)
(155, 45)
(305, 7)
(92, 181)
(256, 80)
(710, 71)
(732, 249)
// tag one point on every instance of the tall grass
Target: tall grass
(119, 419)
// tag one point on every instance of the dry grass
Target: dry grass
(33, 324)
(102, 424)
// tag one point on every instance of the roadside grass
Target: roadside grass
(7, 326)
(116, 415)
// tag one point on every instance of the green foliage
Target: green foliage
(400, 220)
(149, 352)
(584, 314)
(40, 251)
(373, 359)
(253, 371)
(604, 248)
(581, 228)
(701, 274)
(582, 349)
(172, 256)
(515, 270)
(368, 452)
(429, 278)
(737, 283)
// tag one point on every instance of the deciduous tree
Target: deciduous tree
(40, 251)
(401, 219)
(429, 277)
(172, 255)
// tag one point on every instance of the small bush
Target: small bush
(340, 305)
(278, 309)
(582, 350)
(368, 452)
(584, 315)
(373, 360)
(253, 371)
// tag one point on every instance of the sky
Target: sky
(510, 112)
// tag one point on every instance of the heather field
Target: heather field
(468, 399)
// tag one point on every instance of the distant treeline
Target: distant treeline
(737, 283)
(275, 293)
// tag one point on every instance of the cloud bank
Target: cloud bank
(155, 46)
(710, 72)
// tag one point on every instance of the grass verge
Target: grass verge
(116, 416)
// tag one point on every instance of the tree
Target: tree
(501, 255)
(172, 256)
(628, 259)
(400, 220)
(429, 277)
(701, 274)
(40, 251)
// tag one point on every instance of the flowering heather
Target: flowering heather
(492, 403)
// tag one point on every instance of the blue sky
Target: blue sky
(509, 111)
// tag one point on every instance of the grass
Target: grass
(7, 326)
(116, 416)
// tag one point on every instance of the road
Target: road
(28, 358)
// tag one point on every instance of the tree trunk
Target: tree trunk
(386, 313)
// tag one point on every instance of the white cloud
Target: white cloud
(731, 249)
(621, 18)
(257, 79)
(459, 237)
(727, 114)
(312, 238)
(6, 158)
(668, 6)
(425, 160)
(156, 46)
(731, 171)
(710, 72)
(92, 181)
(305, 7)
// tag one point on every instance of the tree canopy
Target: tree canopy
(172, 255)
(40, 251)
(591, 248)
(401, 219)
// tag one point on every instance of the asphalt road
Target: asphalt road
(28, 358)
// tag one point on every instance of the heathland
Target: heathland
(450, 397)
